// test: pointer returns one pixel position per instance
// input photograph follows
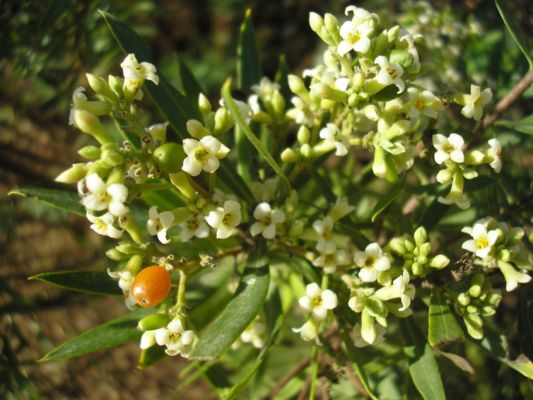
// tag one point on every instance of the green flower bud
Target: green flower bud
(422, 260)
(469, 173)
(358, 81)
(463, 299)
(316, 22)
(111, 155)
(115, 83)
(397, 246)
(223, 122)
(402, 57)
(474, 325)
(263, 118)
(278, 104)
(383, 166)
(101, 87)
(323, 91)
(418, 269)
(303, 135)
(296, 228)
(289, 156)
(154, 321)
(169, 157)
(115, 255)
(197, 129)
(375, 307)
(91, 125)
(409, 245)
(306, 150)
(158, 132)
(204, 104)
(72, 175)
(392, 33)
(134, 264)
(478, 279)
(439, 261)
(425, 249)
(444, 176)
(332, 25)
(494, 299)
(475, 290)
(420, 236)
(129, 225)
(474, 157)
(297, 86)
(181, 181)
(505, 255)
(128, 248)
(90, 152)
(487, 311)
(472, 309)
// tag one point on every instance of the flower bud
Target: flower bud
(158, 132)
(134, 264)
(115, 83)
(153, 321)
(115, 255)
(278, 104)
(472, 309)
(303, 135)
(396, 245)
(129, 225)
(101, 87)
(332, 25)
(90, 152)
(392, 33)
(90, 124)
(128, 248)
(444, 176)
(323, 91)
(169, 157)
(494, 299)
(223, 122)
(181, 181)
(315, 22)
(196, 129)
(402, 57)
(297, 86)
(487, 311)
(420, 236)
(383, 167)
(440, 261)
(371, 112)
(424, 249)
(72, 175)
(474, 157)
(418, 269)
(409, 245)
(463, 299)
(111, 155)
(474, 325)
(474, 291)
(289, 156)
(306, 150)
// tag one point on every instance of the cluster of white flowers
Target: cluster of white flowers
(176, 339)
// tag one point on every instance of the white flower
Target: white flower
(266, 88)
(340, 209)
(203, 155)
(318, 302)
(494, 152)
(389, 73)
(225, 218)
(147, 339)
(159, 223)
(194, 226)
(450, 147)
(423, 102)
(267, 219)
(324, 228)
(355, 37)
(176, 338)
(309, 331)
(101, 196)
(474, 102)
(103, 225)
(301, 113)
(331, 134)
(372, 261)
(330, 261)
(461, 200)
(482, 242)
(359, 341)
(78, 98)
(400, 288)
(512, 276)
(136, 72)
(254, 334)
(125, 279)
(358, 298)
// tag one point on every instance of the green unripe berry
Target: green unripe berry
(169, 157)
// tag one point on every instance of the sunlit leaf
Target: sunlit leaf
(94, 282)
(61, 199)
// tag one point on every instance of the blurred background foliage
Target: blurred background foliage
(46, 47)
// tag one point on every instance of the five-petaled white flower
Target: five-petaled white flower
(203, 155)
(482, 241)
(400, 288)
(474, 102)
(267, 219)
(176, 338)
(100, 196)
(355, 36)
(136, 72)
(372, 261)
(225, 219)
(331, 134)
(389, 73)
(158, 223)
(494, 152)
(103, 225)
(324, 228)
(423, 102)
(194, 226)
(317, 301)
(448, 148)
(254, 334)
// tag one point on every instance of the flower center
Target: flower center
(353, 37)
(201, 155)
(226, 219)
(392, 72)
(369, 262)
(482, 242)
(418, 104)
(316, 301)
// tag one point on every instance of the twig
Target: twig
(287, 378)
(504, 103)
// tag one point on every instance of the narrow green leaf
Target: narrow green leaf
(113, 333)
(386, 201)
(94, 282)
(61, 199)
(187, 81)
(422, 364)
(442, 324)
(232, 107)
(234, 181)
(237, 315)
(355, 359)
(525, 125)
(163, 199)
(496, 346)
(514, 30)
(525, 319)
(248, 62)
(174, 106)
(281, 77)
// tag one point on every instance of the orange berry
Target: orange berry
(150, 286)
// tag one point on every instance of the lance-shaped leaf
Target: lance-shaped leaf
(61, 199)
(174, 106)
(234, 110)
(422, 364)
(93, 282)
(387, 200)
(113, 333)
(237, 315)
(442, 324)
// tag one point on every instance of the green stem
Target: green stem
(180, 305)
(314, 373)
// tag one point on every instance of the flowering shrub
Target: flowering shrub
(308, 208)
